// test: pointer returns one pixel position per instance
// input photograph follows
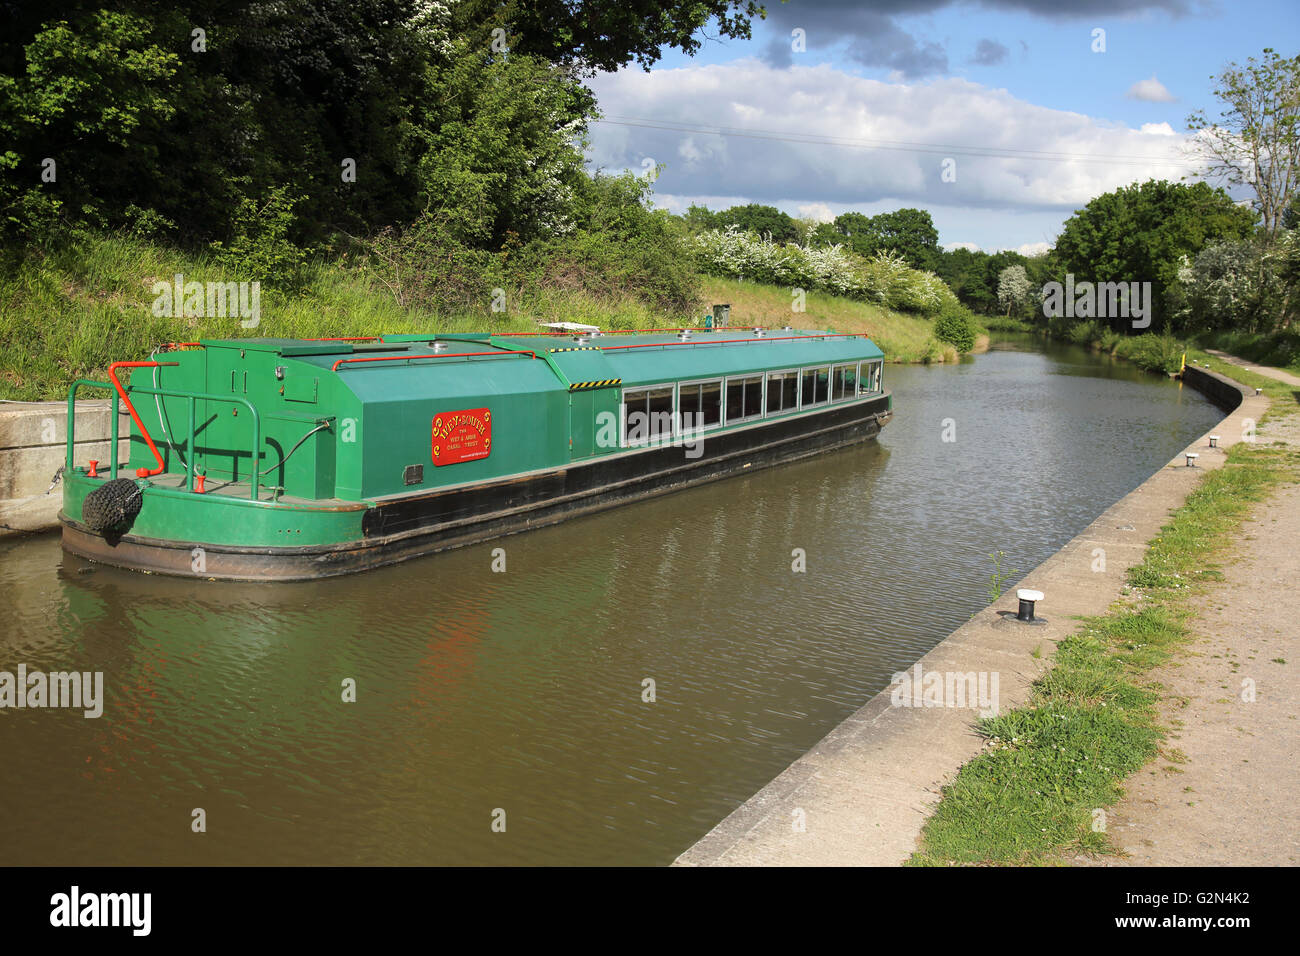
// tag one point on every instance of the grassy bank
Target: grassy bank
(69, 313)
(72, 312)
(903, 337)
(1091, 720)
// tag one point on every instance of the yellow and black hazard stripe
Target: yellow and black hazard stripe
(603, 383)
(578, 348)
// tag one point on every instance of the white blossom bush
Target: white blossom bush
(887, 279)
(1229, 285)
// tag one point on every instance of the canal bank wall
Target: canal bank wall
(861, 796)
(33, 445)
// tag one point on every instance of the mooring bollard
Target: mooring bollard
(94, 468)
(1191, 459)
(1259, 391)
(1214, 441)
(1028, 599)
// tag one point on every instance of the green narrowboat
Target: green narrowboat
(290, 459)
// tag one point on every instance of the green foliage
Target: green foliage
(1141, 233)
(1156, 353)
(74, 101)
(261, 249)
(606, 34)
(1236, 285)
(998, 579)
(885, 279)
(907, 233)
(1281, 348)
(956, 326)
(766, 221)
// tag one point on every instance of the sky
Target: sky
(1001, 117)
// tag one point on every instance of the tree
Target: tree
(1257, 140)
(1141, 233)
(908, 232)
(604, 35)
(1013, 287)
(760, 219)
(1229, 285)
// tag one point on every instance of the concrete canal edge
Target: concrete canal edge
(33, 438)
(861, 795)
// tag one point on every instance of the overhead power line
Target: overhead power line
(942, 149)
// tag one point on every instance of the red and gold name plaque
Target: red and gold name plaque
(462, 436)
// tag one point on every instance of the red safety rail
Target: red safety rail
(112, 377)
(439, 355)
(752, 338)
(559, 333)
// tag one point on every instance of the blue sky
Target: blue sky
(1019, 76)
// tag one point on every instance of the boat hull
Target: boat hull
(408, 526)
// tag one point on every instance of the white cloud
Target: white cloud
(817, 211)
(1150, 91)
(1034, 248)
(1157, 129)
(791, 136)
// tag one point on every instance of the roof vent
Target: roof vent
(759, 332)
(440, 346)
(582, 339)
(684, 335)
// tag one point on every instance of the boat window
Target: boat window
(844, 382)
(744, 398)
(816, 385)
(647, 414)
(869, 377)
(700, 404)
(782, 392)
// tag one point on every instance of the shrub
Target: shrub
(261, 247)
(1157, 353)
(886, 279)
(956, 326)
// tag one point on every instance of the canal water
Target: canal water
(509, 717)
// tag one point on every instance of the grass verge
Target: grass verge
(1091, 720)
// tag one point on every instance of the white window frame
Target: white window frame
(798, 387)
(870, 376)
(762, 401)
(835, 367)
(830, 366)
(722, 403)
(649, 441)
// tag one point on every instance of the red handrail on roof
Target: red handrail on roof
(562, 332)
(756, 338)
(408, 358)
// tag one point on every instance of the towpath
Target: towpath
(1222, 792)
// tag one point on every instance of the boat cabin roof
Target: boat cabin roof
(641, 358)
